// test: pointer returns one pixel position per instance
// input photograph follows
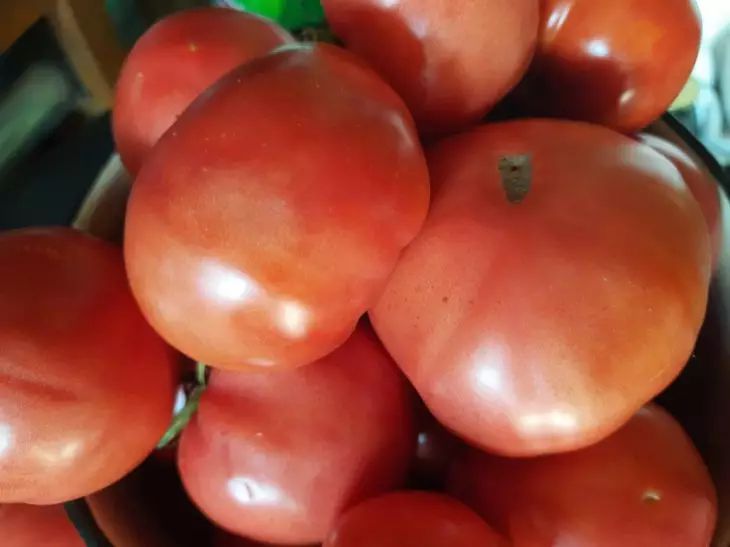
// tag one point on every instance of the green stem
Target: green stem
(181, 419)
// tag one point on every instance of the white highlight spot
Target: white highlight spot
(180, 400)
(247, 491)
(6, 438)
(56, 453)
(555, 419)
(228, 284)
(598, 48)
(489, 367)
(626, 97)
(558, 17)
(293, 319)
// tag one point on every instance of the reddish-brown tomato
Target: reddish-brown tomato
(558, 285)
(412, 519)
(269, 218)
(37, 526)
(450, 61)
(276, 456)
(174, 62)
(644, 485)
(86, 386)
(619, 63)
(700, 182)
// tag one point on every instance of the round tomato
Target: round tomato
(175, 61)
(224, 539)
(619, 63)
(269, 218)
(558, 285)
(451, 62)
(276, 456)
(37, 526)
(412, 519)
(700, 182)
(86, 386)
(644, 485)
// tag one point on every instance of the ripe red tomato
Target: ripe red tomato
(644, 485)
(451, 62)
(276, 456)
(542, 325)
(86, 386)
(269, 218)
(37, 526)
(700, 182)
(174, 62)
(412, 519)
(619, 63)
(224, 539)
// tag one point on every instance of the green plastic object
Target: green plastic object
(291, 14)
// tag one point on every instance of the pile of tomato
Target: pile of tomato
(433, 277)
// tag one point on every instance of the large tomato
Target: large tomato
(37, 526)
(224, 539)
(412, 519)
(174, 62)
(700, 182)
(559, 284)
(644, 485)
(277, 455)
(86, 386)
(269, 218)
(450, 61)
(619, 63)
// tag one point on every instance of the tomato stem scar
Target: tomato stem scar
(516, 173)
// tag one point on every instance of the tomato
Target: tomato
(269, 218)
(700, 182)
(644, 485)
(276, 456)
(558, 285)
(224, 539)
(86, 386)
(36, 525)
(175, 61)
(412, 519)
(619, 63)
(451, 62)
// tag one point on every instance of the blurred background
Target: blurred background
(59, 60)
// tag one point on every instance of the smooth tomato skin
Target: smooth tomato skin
(224, 539)
(86, 386)
(175, 61)
(619, 63)
(451, 62)
(275, 209)
(544, 326)
(412, 519)
(700, 182)
(276, 456)
(36, 525)
(644, 485)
